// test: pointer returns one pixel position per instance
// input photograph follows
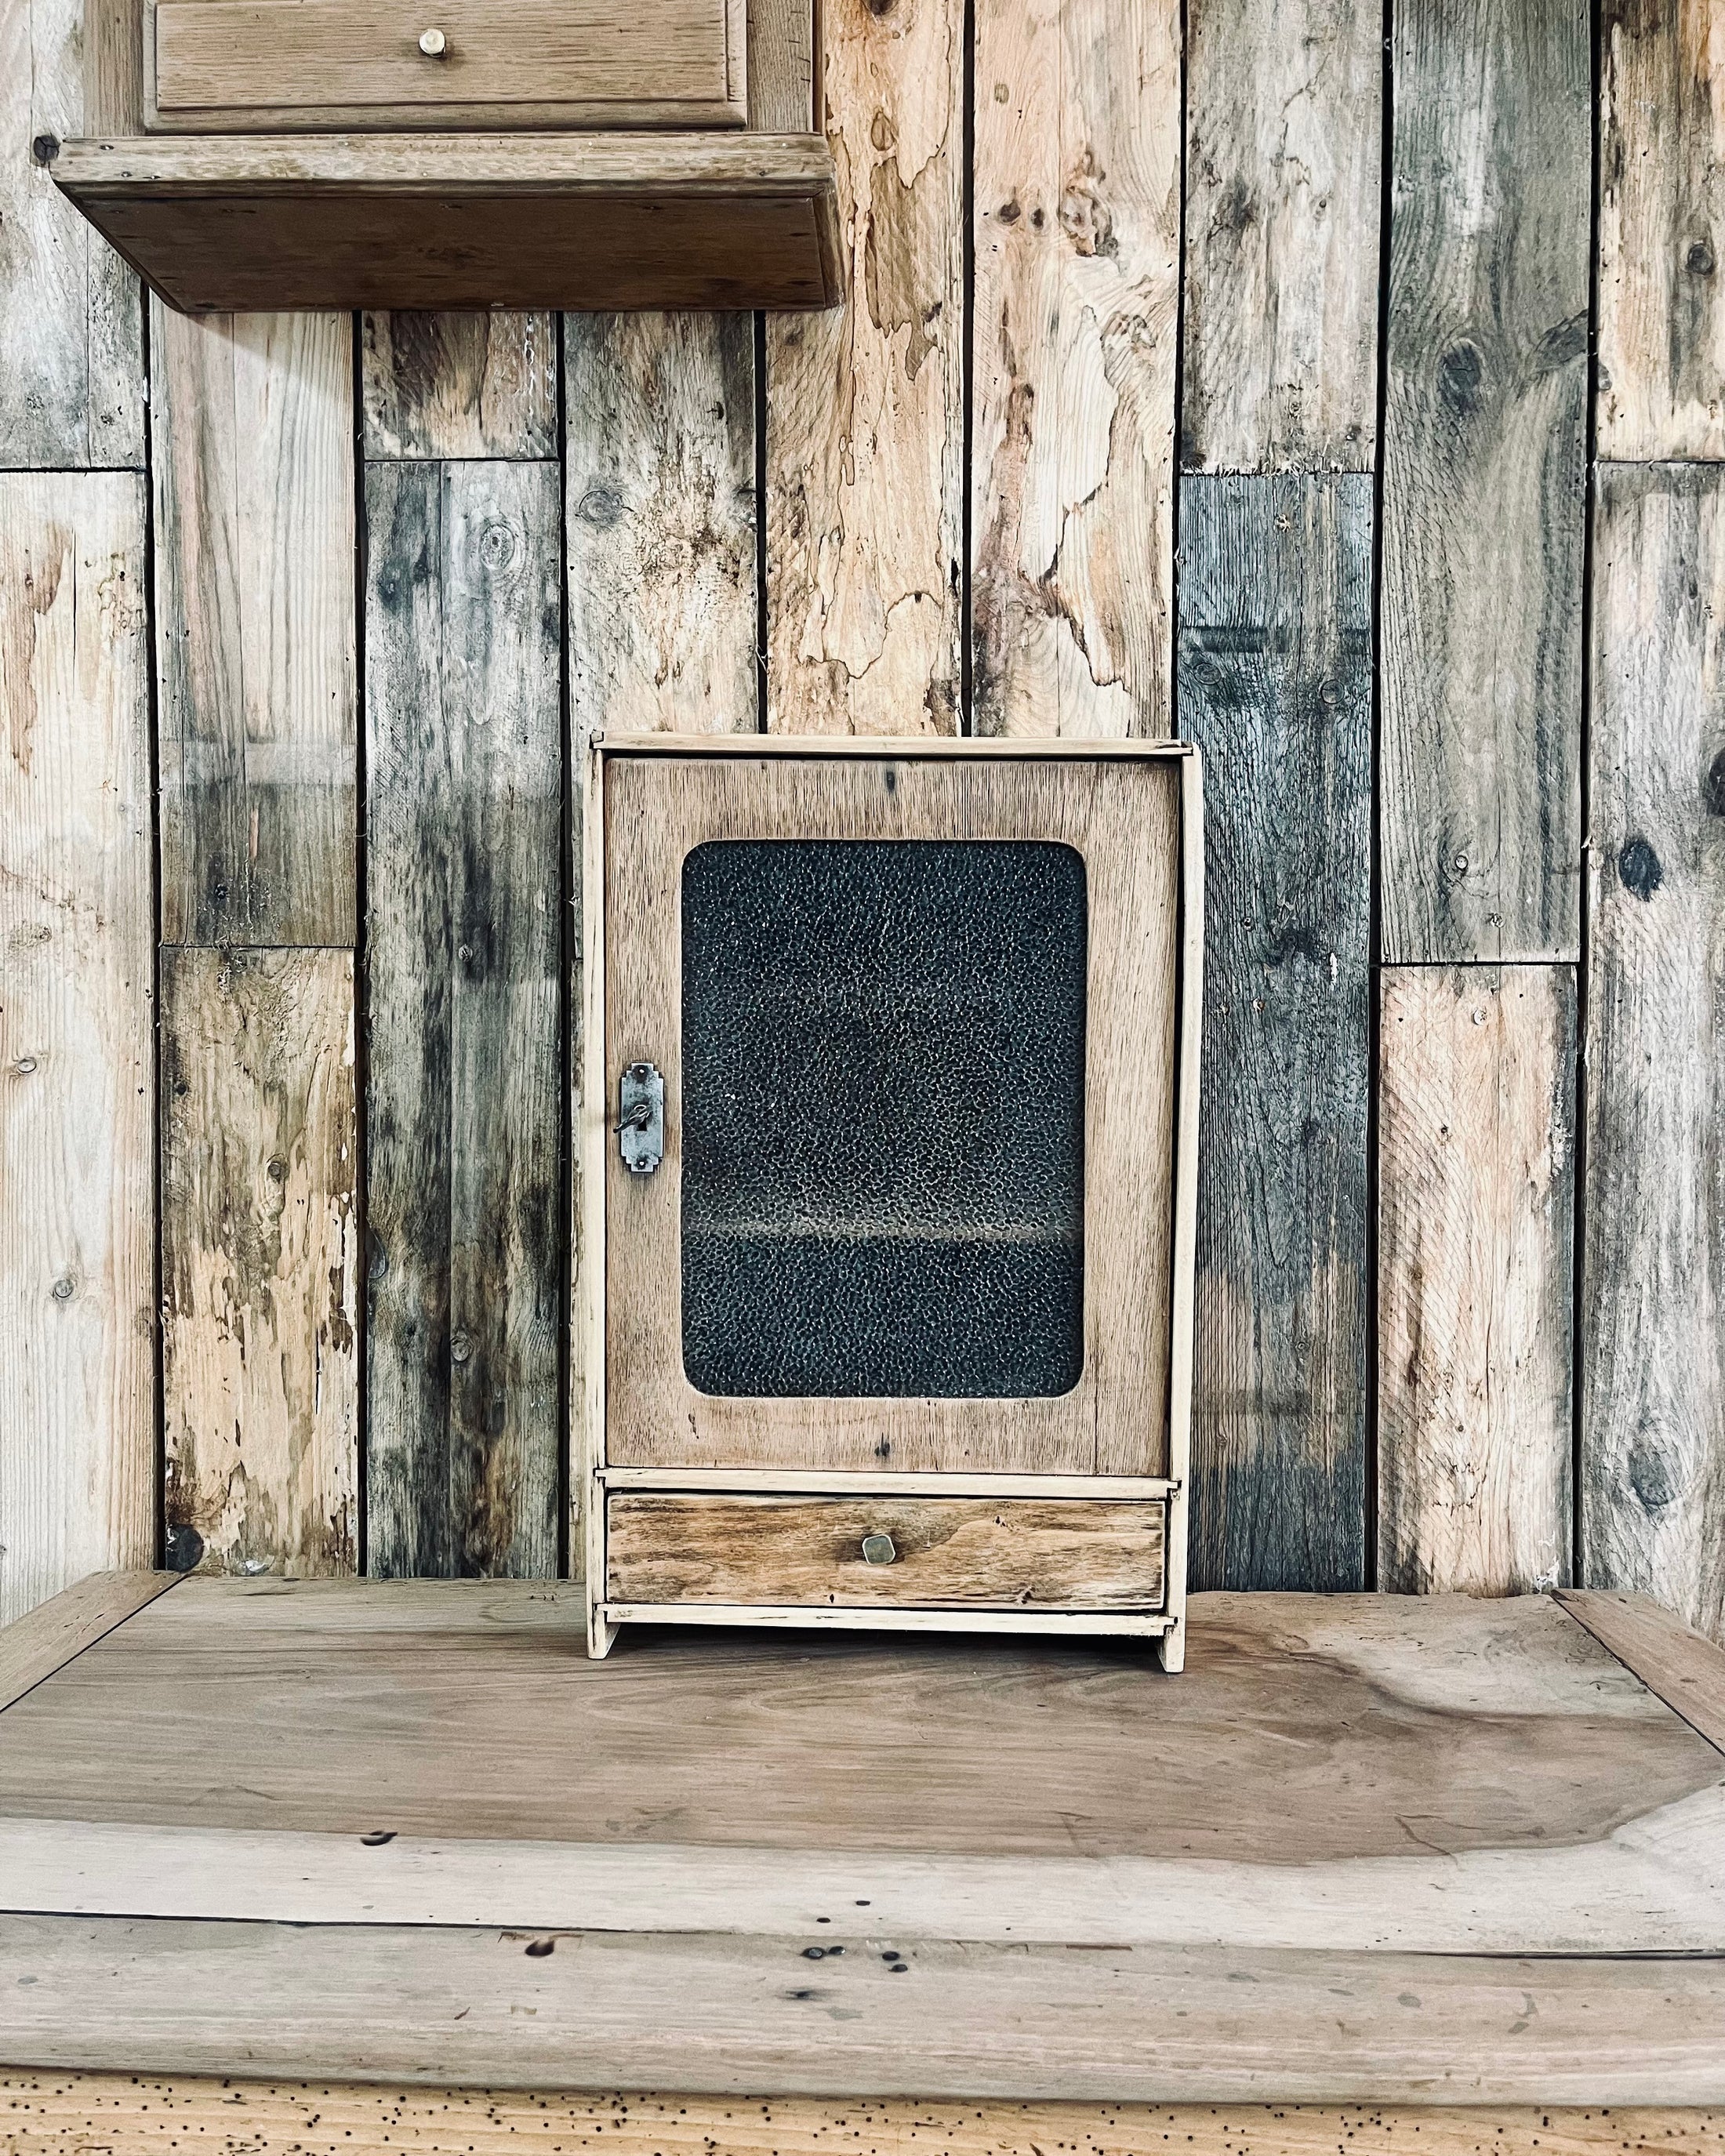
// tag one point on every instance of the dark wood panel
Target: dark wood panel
(1653, 1311)
(1276, 688)
(463, 952)
(1484, 429)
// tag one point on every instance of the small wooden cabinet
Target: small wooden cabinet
(552, 154)
(889, 1162)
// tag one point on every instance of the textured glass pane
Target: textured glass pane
(882, 1117)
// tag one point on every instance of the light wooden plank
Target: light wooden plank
(69, 2114)
(1661, 231)
(45, 1639)
(463, 1120)
(1275, 659)
(256, 609)
(260, 1261)
(1653, 1307)
(916, 748)
(1484, 432)
(1684, 1669)
(864, 452)
(1284, 146)
(71, 319)
(1076, 230)
(783, 39)
(77, 1065)
(1476, 1268)
(702, 2012)
(467, 385)
(817, 1482)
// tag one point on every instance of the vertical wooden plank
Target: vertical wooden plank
(463, 1121)
(865, 404)
(71, 318)
(660, 522)
(1485, 438)
(1284, 134)
(1276, 688)
(1077, 238)
(254, 594)
(1663, 230)
(781, 66)
(1476, 1264)
(459, 385)
(77, 1180)
(1653, 1312)
(260, 1261)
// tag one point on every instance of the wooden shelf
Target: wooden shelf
(607, 221)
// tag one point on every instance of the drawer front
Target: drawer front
(313, 63)
(929, 1553)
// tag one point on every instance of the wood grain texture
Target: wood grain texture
(260, 1261)
(864, 478)
(256, 637)
(71, 2114)
(1484, 429)
(1076, 229)
(77, 1070)
(1685, 1670)
(1476, 1267)
(1276, 688)
(1653, 1309)
(660, 522)
(783, 42)
(448, 385)
(1661, 231)
(1004, 1553)
(1284, 149)
(462, 812)
(71, 317)
(45, 1639)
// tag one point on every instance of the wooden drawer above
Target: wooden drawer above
(923, 1552)
(251, 64)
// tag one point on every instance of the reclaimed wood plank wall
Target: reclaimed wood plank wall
(1339, 384)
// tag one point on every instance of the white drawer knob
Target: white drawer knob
(431, 43)
(878, 1549)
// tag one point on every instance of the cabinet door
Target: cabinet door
(271, 64)
(893, 1047)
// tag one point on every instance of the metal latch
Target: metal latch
(641, 1117)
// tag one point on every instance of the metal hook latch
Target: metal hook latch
(641, 1117)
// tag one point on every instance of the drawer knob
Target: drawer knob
(431, 43)
(878, 1549)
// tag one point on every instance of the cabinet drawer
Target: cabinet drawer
(932, 1553)
(307, 63)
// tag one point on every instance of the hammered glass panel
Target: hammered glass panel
(882, 1118)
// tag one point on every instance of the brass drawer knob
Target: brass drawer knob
(878, 1549)
(432, 44)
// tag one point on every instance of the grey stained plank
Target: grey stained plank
(1653, 1311)
(459, 385)
(1284, 146)
(1276, 688)
(1484, 429)
(464, 907)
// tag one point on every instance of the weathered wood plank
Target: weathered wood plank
(77, 1073)
(454, 385)
(1476, 1264)
(781, 39)
(1076, 231)
(71, 317)
(1276, 688)
(463, 1120)
(45, 1639)
(660, 522)
(865, 440)
(260, 1261)
(1483, 441)
(1661, 230)
(67, 2114)
(255, 612)
(1653, 1309)
(1686, 1671)
(1283, 145)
